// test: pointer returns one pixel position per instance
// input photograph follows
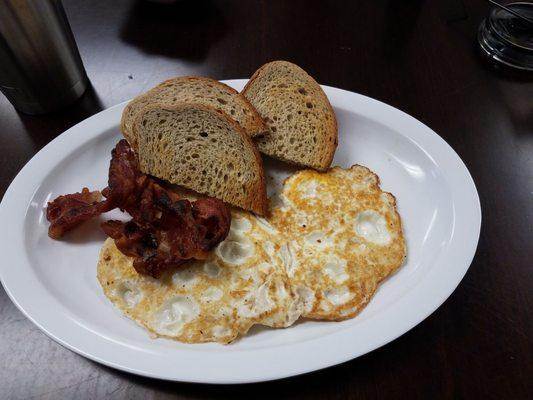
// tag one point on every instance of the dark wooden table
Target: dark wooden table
(418, 56)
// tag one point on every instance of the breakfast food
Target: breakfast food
(194, 90)
(66, 212)
(165, 230)
(329, 240)
(344, 236)
(187, 267)
(213, 300)
(200, 148)
(302, 128)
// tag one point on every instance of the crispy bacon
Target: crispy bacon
(68, 211)
(169, 231)
(165, 231)
(214, 220)
(125, 178)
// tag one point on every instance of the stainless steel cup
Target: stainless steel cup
(40, 66)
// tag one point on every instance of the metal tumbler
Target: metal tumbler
(40, 66)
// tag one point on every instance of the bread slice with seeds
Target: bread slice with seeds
(195, 90)
(302, 127)
(202, 149)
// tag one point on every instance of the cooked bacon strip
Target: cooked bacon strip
(68, 211)
(172, 233)
(125, 179)
(214, 219)
(165, 231)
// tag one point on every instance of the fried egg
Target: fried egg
(329, 240)
(343, 237)
(242, 283)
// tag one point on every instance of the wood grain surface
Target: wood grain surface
(419, 56)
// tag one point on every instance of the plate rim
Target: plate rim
(214, 377)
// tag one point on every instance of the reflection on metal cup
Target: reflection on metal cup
(40, 66)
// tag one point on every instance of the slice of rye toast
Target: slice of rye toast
(302, 128)
(202, 149)
(195, 90)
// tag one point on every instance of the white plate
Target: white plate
(54, 282)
